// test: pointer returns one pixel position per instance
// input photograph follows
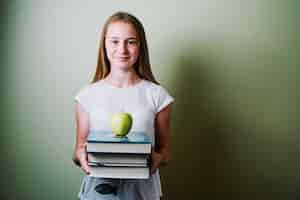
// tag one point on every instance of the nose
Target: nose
(123, 47)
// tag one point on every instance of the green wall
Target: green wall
(231, 66)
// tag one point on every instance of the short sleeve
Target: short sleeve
(163, 99)
(83, 99)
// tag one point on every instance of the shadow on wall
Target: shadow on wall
(7, 117)
(214, 155)
(202, 164)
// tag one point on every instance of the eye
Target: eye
(132, 42)
(114, 41)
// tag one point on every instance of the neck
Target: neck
(122, 78)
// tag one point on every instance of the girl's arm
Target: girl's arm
(82, 128)
(160, 154)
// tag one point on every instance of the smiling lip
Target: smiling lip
(122, 58)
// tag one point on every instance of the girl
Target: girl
(123, 81)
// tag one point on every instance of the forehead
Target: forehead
(121, 30)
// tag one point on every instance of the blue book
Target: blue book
(107, 142)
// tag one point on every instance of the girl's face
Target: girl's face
(122, 45)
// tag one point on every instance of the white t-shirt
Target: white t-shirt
(143, 101)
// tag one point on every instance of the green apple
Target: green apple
(121, 124)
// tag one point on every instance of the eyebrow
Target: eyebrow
(130, 38)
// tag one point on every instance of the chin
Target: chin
(123, 66)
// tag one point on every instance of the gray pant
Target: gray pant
(118, 189)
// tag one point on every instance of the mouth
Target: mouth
(122, 58)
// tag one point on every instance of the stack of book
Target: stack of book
(119, 157)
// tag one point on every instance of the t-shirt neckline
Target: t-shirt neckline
(123, 88)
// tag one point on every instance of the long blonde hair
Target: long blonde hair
(142, 65)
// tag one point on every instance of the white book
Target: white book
(120, 172)
(118, 164)
(118, 148)
(110, 158)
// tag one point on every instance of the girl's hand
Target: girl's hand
(80, 158)
(156, 159)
